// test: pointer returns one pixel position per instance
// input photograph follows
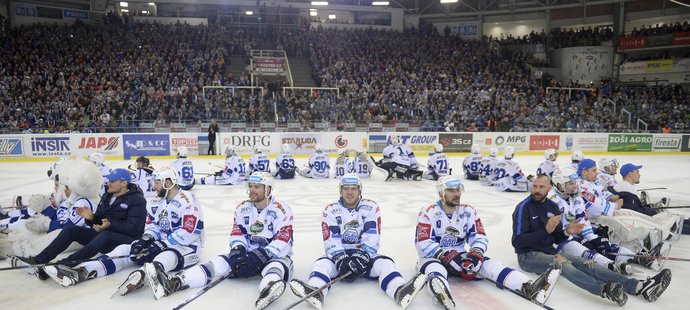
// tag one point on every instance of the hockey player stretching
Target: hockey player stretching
(351, 229)
(443, 230)
(260, 244)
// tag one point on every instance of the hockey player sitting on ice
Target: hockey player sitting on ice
(577, 156)
(351, 229)
(184, 168)
(672, 225)
(486, 175)
(143, 176)
(37, 203)
(173, 240)
(362, 164)
(443, 230)
(235, 171)
(77, 184)
(259, 161)
(319, 165)
(591, 243)
(260, 244)
(399, 159)
(285, 164)
(508, 176)
(473, 163)
(437, 166)
(608, 168)
(343, 163)
(549, 165)
(537, 230)
(99, 160)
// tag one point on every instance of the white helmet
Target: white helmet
(229, 151)
(350, 179)
(609, 165)
(261, 177)
(508, 152)
(395, 140)
(97, 158)
(164, 173)
(550, 152)
(257, 150)
(447, 182)
(182, 151)
(493, 152)
(475, 148)
(361, 150)
(566, 178)
(286, 148)
(343, 152)
(577, 156)
(438, 148)
(318, 148)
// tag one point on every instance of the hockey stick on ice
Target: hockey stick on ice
(67, 262)
(202, 291)
(325, 286)
(500, 285)
(680, 259)
(217, 166)
(650, 189)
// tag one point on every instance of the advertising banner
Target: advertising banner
(106, 144)
(244, 143)
(630, 143)
(11, 147)
(685, 145)
(273, 65)
(146, 145)
(417, 141)
(48, 146)
(519, 141)
(189, 140)
(544, 142)
(455, 142)
(586, 142)
(666, 143)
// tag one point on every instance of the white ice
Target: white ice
(400, 202)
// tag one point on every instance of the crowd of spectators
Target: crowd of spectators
(660, 29)
(86, 78)
(561, 38)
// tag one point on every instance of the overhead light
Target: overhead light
(331, 16)
(449, 1)
(144, 12)
(151, 3)
(319, 3)
(379, 3)
(249, 13)
(124, 4)
(313, 13)
(124, 11)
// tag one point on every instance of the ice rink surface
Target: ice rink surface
(400, 202)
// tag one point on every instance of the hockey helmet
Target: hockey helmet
(286, 148)
(548, 153)
(318, 148)
(182, 151)
(395, 140)
(97, 158)
(508, 152)
(438, 148)
(493, 152)
(565, 180)
(350, 179)
(610, 165)
(229, 151)
(475, 148)
(448, 182)
(577, 156)
(144, 160)
(261, 177)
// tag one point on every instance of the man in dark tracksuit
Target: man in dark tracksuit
(119, 219)
(537, 229)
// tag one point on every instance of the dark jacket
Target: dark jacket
(127, 213)
(632, 202)
(529, 227)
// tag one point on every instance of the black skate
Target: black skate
(621, 268)
(134, 281)
(540, 289)
(654, 286)
(68, 276)
(18, 261)
(614, 292)
(269, 294)
(301, 289)
(162, 285)
(406, 292)
(654, 262)
(441, 293)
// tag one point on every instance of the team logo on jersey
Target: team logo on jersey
(423, 232)
(124, 206)
(163, 221)
(450, 230)
(189, 223)
(284, 234)
(325, 231)
(350, 236)
(448, 241)
(256, 228)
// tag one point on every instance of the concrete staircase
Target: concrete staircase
(236, 66)
(301, 72)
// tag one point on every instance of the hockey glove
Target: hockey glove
(258, 258)
(218, 173)
(471, 264)
(451, 260)
(358, 262)
(141, 244)
(235, 256)
(601, 245)
(342, 264)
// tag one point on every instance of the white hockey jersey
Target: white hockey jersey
(259, 162)
(400, 154)
(235, 170)
(319, 165)
(486, 174)
(179, 221)
(573, 209)
(547, 167)
(144, 179)
(285, 166)
(349, 229)
(472, 166)
(604, 179)
(270, 228)
(362, 166)
(596, 199)
(343, 165)
(185, 171)
(105, 170)
(437, 230)
(66, 214)
(438, 163)
(509, 177)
